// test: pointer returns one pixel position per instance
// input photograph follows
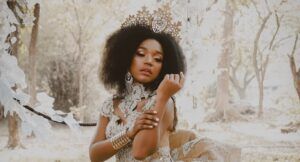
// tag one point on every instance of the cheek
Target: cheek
(134, 64)
(158, 69)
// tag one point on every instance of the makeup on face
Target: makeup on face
(147, 61)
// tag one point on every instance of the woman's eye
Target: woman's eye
(140, 54)
(158, 59)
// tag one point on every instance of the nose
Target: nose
(149, 60)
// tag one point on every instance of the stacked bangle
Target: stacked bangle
(120, 140)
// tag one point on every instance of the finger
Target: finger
(172, 77)
(149, 122)
(141, 127)
(176, 78)
(167, 77)
(182, 78)
(147, 126)
(150, 117)
(151, 112)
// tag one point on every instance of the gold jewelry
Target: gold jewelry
(120, 140)
(159, 21)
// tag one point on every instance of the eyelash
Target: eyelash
(142, 55)
(139, 54)
(158, 59)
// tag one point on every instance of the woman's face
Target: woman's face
(147, 61)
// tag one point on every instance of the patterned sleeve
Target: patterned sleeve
(107, 107)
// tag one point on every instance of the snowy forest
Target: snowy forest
(242, 84)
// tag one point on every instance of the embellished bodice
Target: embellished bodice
(127, 105)
(193, 149)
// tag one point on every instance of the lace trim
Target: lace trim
(107, 107)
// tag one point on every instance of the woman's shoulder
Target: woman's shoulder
(107, 106)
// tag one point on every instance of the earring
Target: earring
(128, 78)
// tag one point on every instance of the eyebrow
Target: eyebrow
(159, 52)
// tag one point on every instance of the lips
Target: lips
(146, 72)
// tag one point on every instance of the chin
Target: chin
(144, 80)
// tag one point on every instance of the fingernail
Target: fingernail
(155, 124)
(154, 112)
(156, 119)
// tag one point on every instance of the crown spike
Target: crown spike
(159, 21)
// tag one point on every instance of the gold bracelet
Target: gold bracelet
(120, 140)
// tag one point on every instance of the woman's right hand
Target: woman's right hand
(147, 120)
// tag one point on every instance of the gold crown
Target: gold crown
(159, 21)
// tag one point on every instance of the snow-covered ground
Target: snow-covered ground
(259, 142)
(62, 146)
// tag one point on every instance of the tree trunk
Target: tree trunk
(222, 98)
(13, 119)
(13, 129)
(242, 93)
(80, 61)
(223, 110)
(295, 73)
(260, 70)
(32, 56)
(261, 98)
(1, 112)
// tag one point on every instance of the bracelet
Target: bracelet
(120, 140)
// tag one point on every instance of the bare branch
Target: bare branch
(210, 6)
(234, 68)
(281, 40)
(256, 41)
(233, 77)
(277, 29)
(73, 35)
(295, 44)
(12, 6)
(267, 4)
(234, 82)
(201, 18)
(264, 67)
(257, 11)
(247, 81)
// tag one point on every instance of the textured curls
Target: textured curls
(121, 47)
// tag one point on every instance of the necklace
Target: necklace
(135, 92)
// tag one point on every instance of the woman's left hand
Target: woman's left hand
(146, 120)
(171, 84)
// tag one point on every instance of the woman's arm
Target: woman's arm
(101, 148)
(146, 142)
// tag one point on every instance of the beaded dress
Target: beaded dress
(199, 149)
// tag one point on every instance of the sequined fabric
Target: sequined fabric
(127, 106)
(196, 149)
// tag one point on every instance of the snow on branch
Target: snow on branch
(12, 79)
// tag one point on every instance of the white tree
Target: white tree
(12, 78)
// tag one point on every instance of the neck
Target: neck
(137, 91)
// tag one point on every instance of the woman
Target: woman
(144, 65)
(153, 65)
